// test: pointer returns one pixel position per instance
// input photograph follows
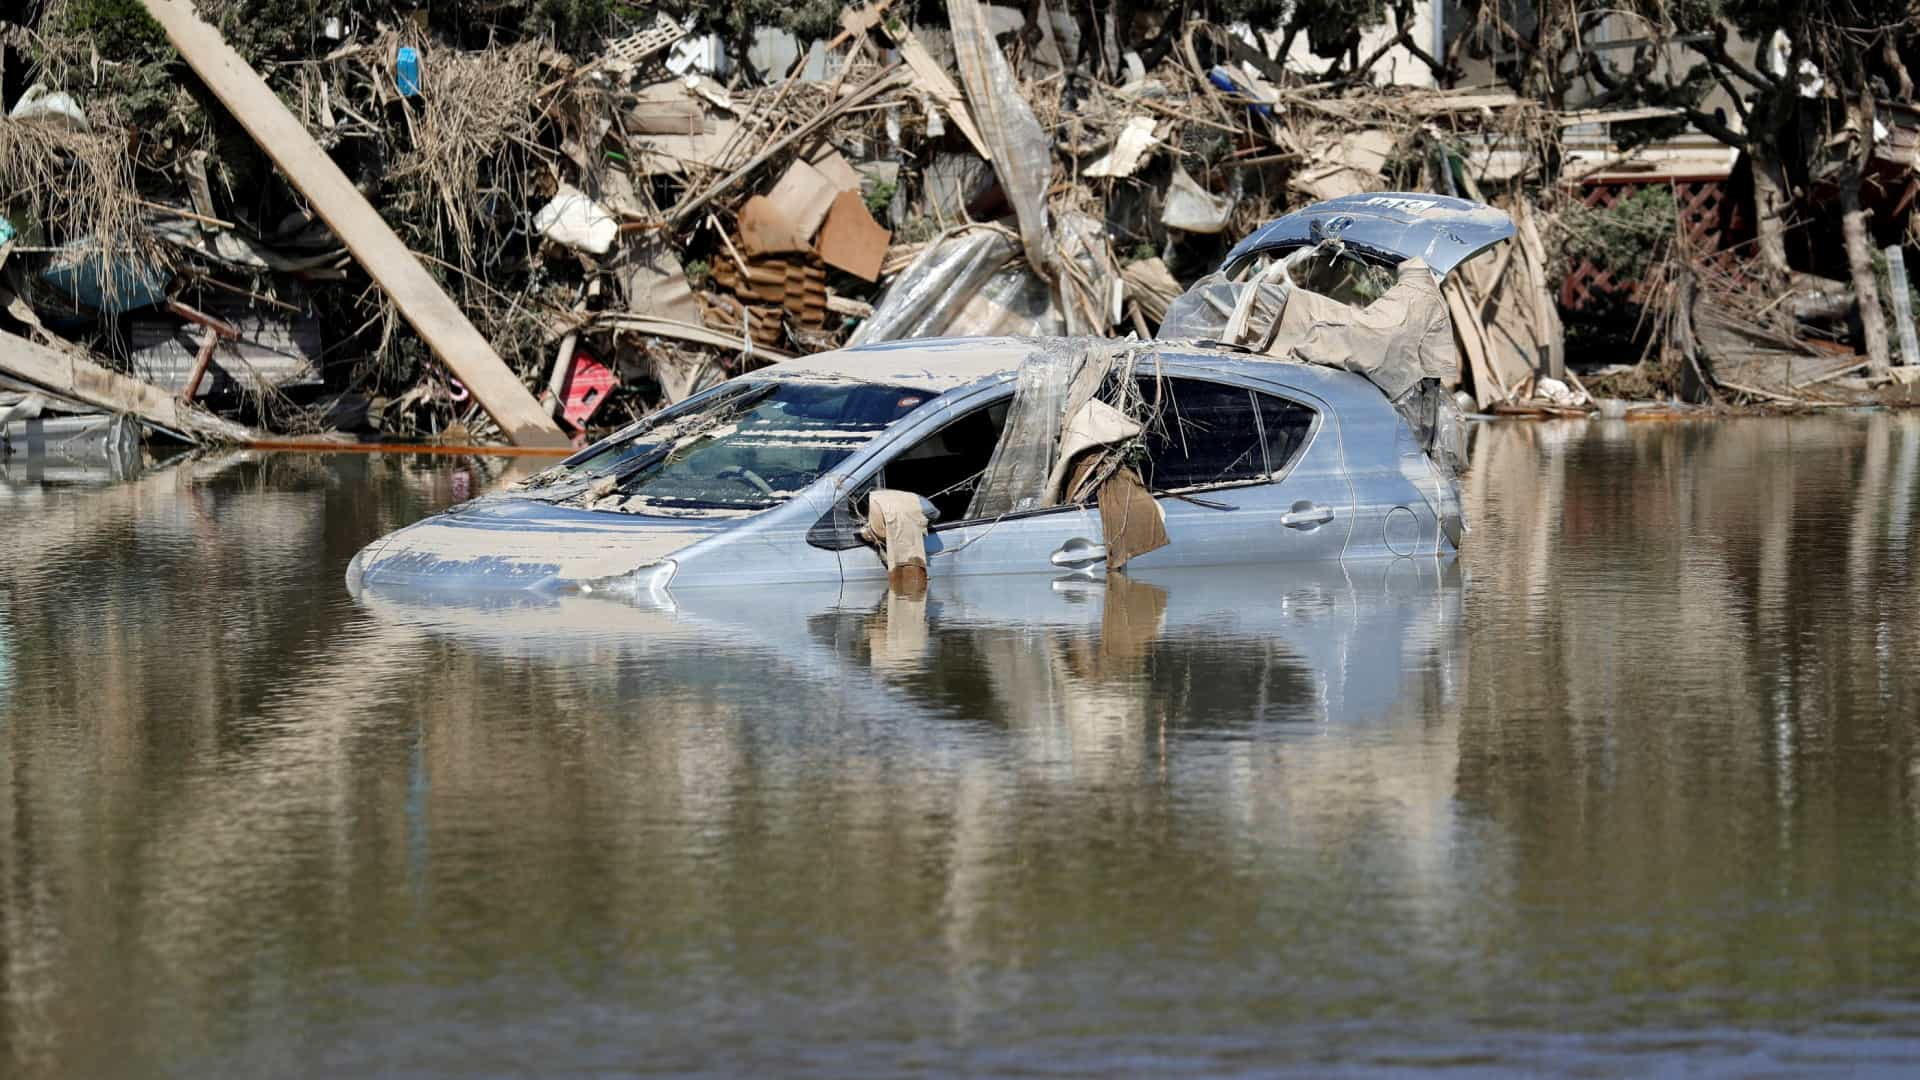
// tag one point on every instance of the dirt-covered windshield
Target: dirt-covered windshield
(748, 448)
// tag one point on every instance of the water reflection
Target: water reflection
(1642, 764)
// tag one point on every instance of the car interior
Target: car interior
(1202, 433)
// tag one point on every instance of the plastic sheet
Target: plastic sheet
(1404, 336)
(1022, 150)
(1057, 381)
(1435, 426)
(1089, 282)
(1016, 475)
(1013, 303)
(928, 296)
(1203, 311)
(1190, 208)
(573, 219)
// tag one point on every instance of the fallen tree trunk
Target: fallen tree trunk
(76, 377)
(1853, 229)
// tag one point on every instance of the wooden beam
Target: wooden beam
(438, 321)
(930, 77)
(74, 376)
(1902, 306)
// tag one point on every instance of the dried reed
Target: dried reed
(78, 188)
(474, 133)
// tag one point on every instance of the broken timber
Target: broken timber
(932, 78)
(372, 241)
(76, 377)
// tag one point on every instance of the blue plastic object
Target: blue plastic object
(107, 286)
(1224, 80)
(6, 230)
(406, 71)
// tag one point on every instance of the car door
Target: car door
(1243, 475)
(943, 463)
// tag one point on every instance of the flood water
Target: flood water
(1633, 787)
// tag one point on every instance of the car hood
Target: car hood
(514, 543)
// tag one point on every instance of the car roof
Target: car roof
(941, 365)
(937, 364)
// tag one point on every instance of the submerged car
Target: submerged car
(1289, 420)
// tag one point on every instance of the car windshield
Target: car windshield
(745, 449)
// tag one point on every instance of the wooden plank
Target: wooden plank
(933, 79)
(1576, 117)
(74, 376)
(439, 322)
(1902, 306)
(1434, 104)
(1546, 312)
(1487, 389)
(855, 22)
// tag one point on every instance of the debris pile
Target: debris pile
(401, 224)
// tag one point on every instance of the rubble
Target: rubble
(445, 225)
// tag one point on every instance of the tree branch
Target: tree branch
(1712, 125)
(1402, 37)
(1294, 23)
(1441, 72)
(1733, 94)
(1890, 55)
(1635, 86)
(1715, 50)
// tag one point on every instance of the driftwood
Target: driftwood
(74, 376)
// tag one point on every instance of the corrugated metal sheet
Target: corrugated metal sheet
(272, 352)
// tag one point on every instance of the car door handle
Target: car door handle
(1079, 552)
(1306, 515)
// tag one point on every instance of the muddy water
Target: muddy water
(1635, 786)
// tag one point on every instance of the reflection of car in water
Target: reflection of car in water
(1306, 427)
(1214, 646)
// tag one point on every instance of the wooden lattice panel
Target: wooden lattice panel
(1707, 215)
(637, 47)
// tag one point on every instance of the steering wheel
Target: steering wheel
(741, 472)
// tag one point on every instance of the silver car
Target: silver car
(764, 479)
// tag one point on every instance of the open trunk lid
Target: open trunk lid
(1389, 226)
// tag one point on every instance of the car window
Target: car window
(752, 450)
(946, 466)
(1204, 433)
(1284, 425)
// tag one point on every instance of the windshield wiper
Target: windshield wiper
(691, 503)
(627, 470)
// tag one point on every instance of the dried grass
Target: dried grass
(472, 136)
(78, 186)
